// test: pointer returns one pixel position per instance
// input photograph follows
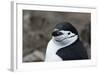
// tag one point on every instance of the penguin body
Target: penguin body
(65, 44)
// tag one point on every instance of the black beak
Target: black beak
(56, 33)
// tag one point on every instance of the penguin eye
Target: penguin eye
(68, 33)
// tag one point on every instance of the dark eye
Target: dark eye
(68, 33)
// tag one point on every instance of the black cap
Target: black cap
(66, 26)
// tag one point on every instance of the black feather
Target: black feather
(75, 51)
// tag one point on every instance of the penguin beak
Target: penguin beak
(56, 33)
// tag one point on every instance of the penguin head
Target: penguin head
(64, 32)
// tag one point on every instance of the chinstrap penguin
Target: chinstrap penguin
(65, 44)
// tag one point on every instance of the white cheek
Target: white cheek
(71, 34)
(65, 33)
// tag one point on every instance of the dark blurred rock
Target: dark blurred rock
(35, 56)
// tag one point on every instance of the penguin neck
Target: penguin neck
(66, 42)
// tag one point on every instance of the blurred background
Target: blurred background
(37, 28)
